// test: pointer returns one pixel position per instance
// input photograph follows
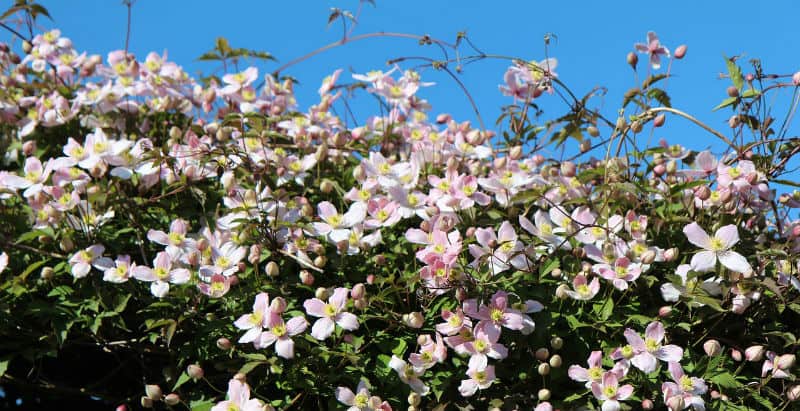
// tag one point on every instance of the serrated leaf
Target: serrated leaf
(735, 73)
(250, 366)
(725, 103)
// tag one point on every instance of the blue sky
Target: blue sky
(592, 39)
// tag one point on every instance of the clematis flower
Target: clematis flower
(481, 376)
(161, 275)
(485, 345)
(455, 321)
(430, 353)
(281, 334)
(780, 365)
(688, 388)
(409, 375)
(358, 401)
(646, 351)
(583, 290)
(121, 270)
(330, 313)
(654, 49)
(623, 272)
(593, 374)
(497, 313)
(82, 261)
(3, 261)
(718, 247)
(255, 322)
(239, 399)
(609, 391)
(218, 286)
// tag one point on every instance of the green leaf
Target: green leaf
(726, 380)
(250, 366)
(4, 367)
(750, 93)
(400, 348)
(202, 405)
(735, 73)
(725, 103)
(181, 380)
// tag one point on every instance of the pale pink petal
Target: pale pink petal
(645, 362)
(729, 235)
(339, 298)
(296, 326)
(159, 288)
(315, 307)
(345, 395)
(697, 236)
(468, 387)
(578, 373)
(654, 331)
(322, 328)
(704, 261)
(347, 321)
(610, 405)
(284, 347)
(669, 353)
(734, 261)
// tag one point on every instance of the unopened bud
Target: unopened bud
(326, 186)
(461, 294)
(637, 126)
(754, 353)
(224, 344)
(659, 170)
(556, 361)
(47, 273)
(278, 305)
(734, 121)
(543, 394)
(736, 355)
(672, 167)
(671, 254)
(648, 257)
(676, 403)
(793, 393)
(358, 291)
(796, 78)
(360, 303)
(443, 118)
(194, 371)
(732, 91)
(414, 399)
(702, 193)
(172, 399)
(680, 52)
(647, 404)
(320, 261)
(146, 402)
(515, 152)
(321, 293)
(556, 343)
(542, 354)
(632, 59)
(414, 319)
(543, 369)
(561, 291)
(306, 278)
(27, 46)
(66, 244)
(153, 392)
(660, 120)
(785, 361)
(556, 273)
(568, 169)
(712, 348)
(272, 269)
(664, 311)
(579, 252)
(593, 131)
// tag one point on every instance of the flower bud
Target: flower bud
(146, 402)
(579, 252)
(676, 403)
(153, 392)
(47, 273)
(441, 119)
(306, 278)
(671, 254)
(712, 348)
(326, 186)
(321, 293)
(320, 261)
(542, 354)
(358, 291)
(27, 46)
(672, 166)
(556, 361)
(660, 120)
(380, 260)
(785, 361)
(561, 291)
(702, 193)
(556, 273)
(414, 319)
(414, 399)
(543, 394)
(659, 170)
(272, 269)
(680, 52)
(732, 91)
(370, 279)
(664, 311)
(66, 244)
(194, 371)
(636, 126)
(424, 339)
(358, 173)
(278, 305)
(172, 399)
(360, 303)
(736, 355)
(647, 404)
(556, 343)
(648, 257)
(796, 78)
(121, 407)
(515, 152)
(461, 294)
(734, 121)
(544, 369)
(632, 59)
(568, 169)
(224, 344)
(793, 393)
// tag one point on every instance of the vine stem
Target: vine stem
(693, 120)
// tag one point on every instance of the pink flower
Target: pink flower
(653, 48)
(621, 274)
(261, 317)
(455, 321)
(121, 270)
(429, 354)
(485, 345)
(280, 333)
(648, 350)
(330, 313)
(82, 261)
(688, 388)
(583, 289)
(718, 247)
(497, 313)
(3, 261)
(358, 401)
(161, 275)
(176, 238)
(595, 371)
(609, 391)
(779, 365)
(218, 286)
(481, 376)
(238, 399)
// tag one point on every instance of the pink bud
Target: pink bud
(360, 303)
(664, 311)
(224, 344)
(702, 193)
(796, 78)
(647, 404)
(736, 355)
(358, 291)
(443, 118)
(632, 59)
(306, 278)
(671, 254)
(153, 392)
(146, 402)
(568, 169)
(278, 305)
(370, 279)
(675, 403)
(659, 120)
(195, 371)
(461, 294)
(659, 170)
(785, 361)
(414, 319)
(732, 91)
(172, 399)
(542, 354)
(712, 348)
(793, 393)
(680, 51)
(121, 407)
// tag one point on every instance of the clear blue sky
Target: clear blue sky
(593, 38)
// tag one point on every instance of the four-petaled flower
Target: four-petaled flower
(330, 313)
(717, 247)
(647, 350)
(654, 49)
